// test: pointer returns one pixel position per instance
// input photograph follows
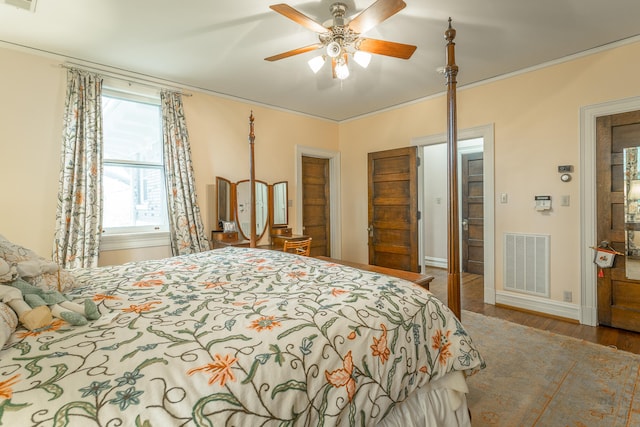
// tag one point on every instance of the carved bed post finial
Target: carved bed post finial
(451, 70)
(252, 183)
(453, 241)
(252, 136)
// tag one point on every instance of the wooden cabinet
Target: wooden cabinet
(279, 235)
(220, 239)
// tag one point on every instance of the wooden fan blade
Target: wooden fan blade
(298, 17)
(294, 52)
(382, 47)
(375, 14)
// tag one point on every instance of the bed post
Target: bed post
(252, 184)
(453, 264)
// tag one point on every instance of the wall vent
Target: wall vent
(29, 5)
(526, 263)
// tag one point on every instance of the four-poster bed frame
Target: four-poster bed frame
(252, 183)
(453, 235)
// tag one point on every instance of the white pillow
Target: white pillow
(8, 323)
(35, 269)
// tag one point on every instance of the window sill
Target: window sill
(116, 242)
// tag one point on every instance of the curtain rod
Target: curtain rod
(124, 77)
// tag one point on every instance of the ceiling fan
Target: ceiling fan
(340, 38)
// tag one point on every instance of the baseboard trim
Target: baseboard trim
(435, 262)
(558, 309)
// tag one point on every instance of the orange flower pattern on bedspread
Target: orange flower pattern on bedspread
(343, 377)
(379, 347)
(220, 369)
(6, 390)
(233, 336)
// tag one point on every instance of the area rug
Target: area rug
(538, 378)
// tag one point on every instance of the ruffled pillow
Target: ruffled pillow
(8, 323)
(35, 269)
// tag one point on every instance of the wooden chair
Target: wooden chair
(300, 247)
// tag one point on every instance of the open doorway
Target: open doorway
(471, 202)
(475, 148)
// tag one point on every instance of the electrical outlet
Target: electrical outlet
(567, 297)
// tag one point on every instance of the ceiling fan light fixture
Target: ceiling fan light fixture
(316, 63)
(362, 58)
(340, 37)
(342, 71)
(334, 49)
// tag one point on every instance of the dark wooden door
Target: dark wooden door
(472, 213)
(393, 209)
(618, 297)
(316, 218)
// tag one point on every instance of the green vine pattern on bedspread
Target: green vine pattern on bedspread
(235, 337)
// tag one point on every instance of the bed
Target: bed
(242, 337)
(246, 337)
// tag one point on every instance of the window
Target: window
(133, 180)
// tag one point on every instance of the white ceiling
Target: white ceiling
(220, 46)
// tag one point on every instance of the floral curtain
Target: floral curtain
(187, 230)
(79, 213)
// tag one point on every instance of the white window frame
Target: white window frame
(119, 238)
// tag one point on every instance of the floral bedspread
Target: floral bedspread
(233, 337)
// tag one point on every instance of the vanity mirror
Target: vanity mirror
(632, 212)
(224, 190)
(279, 202)
(243, 207)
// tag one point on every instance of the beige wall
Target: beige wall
(536, 119)
(536, 124)
(219, 130)
(31, 108)
(33, 93)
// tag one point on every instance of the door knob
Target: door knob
(465, 224)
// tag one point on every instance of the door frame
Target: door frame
(334, 196)
(588, 206)
(485, 132)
